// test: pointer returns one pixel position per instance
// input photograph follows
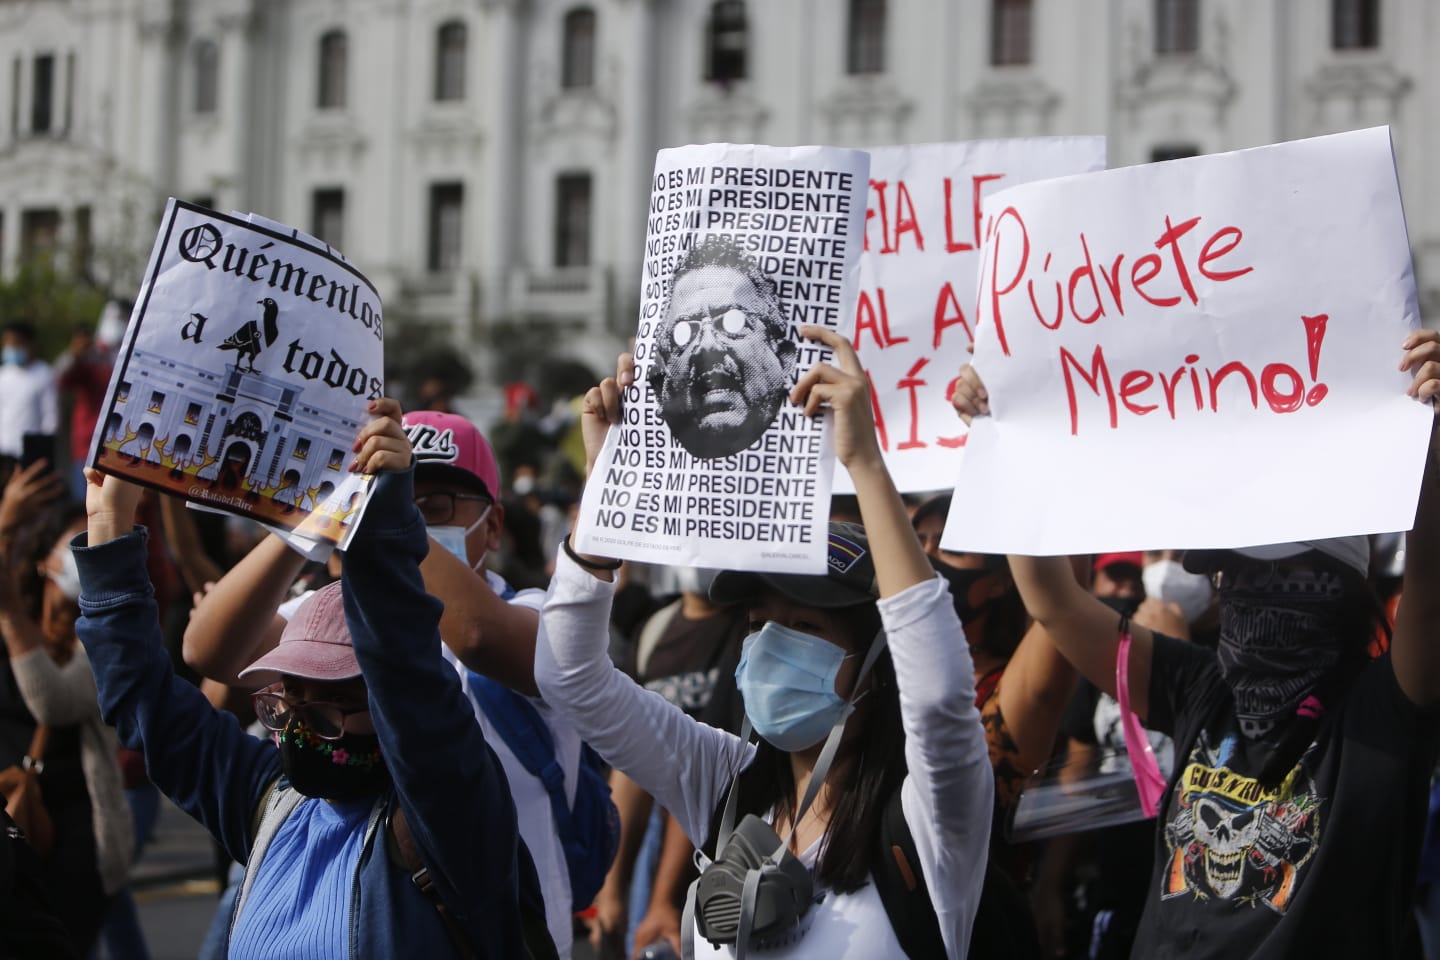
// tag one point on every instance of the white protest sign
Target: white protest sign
(244, 374)
(1200, 353)
(914, 316)
(713, 465)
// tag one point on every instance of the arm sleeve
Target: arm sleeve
(684, 764)
(449, 782)
(1180, 674)
(56, 695)
(949, 790)
(198, 756)
(49, 404)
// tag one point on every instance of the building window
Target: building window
(572, 220)
(192, 414)
(1177, 26)
(1010, 32)
(1354, 24)
(337, 457)
(69, 91)
(42, 94)
(302, 449)
(1173, 151)
(865, 39)
(206, 56)
(334, 52)
(450, 43)
(727, 37)
(577, 54)
(447, 208)
(15, 75)
(327, 216)
(157, 402)
(39, 234)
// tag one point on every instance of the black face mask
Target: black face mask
(1125, 606)
(350, 768)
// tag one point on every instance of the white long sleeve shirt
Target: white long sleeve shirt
(28, 404)
(686, 765)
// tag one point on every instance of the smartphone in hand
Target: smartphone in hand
(37, 446)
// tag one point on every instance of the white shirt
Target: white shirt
(532, 800)
(28, 404)
(946, 795)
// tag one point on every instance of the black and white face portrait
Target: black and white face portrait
(722, 360)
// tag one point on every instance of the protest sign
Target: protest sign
(1200, 353)
(713, 465)
(242, 382)
(914, 316)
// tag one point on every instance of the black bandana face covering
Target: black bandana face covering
(1279, 635)
(350, 768)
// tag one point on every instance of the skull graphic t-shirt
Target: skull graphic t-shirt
(1320, 864)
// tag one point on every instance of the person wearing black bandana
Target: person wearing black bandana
(1292, 824)
(382, 826)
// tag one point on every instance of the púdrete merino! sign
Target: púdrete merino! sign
(1202, 353)
(713, 465)
(244, 375)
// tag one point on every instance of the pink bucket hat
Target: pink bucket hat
(445, 443)
(316, 642)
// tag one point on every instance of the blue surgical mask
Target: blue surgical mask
(14, 356)
(453, 538)
(788, 681)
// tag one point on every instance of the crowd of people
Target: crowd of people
(466, 737)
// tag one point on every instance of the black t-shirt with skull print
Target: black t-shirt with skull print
(1322, 866)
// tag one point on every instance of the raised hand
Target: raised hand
(382, 445)
(1422, 358)
(845, 388)
(970, 399)
(602, 407)
(28, 489)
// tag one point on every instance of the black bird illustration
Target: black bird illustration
(247, 341)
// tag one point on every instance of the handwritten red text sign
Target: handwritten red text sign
(915, 315)
(1201, 353)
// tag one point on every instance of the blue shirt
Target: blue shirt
(299, 907)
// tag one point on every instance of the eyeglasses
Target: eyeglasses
(326, 720)
(438, 509)
(730, 322)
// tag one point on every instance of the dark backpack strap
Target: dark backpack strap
(895, 868)
(525, 733)
(533, 926)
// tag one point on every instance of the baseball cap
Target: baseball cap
(1351, 552)
(449, 446)
(1134, 557)
(316, 642)
(848, 581)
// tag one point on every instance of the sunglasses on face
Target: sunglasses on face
(729, 322)
(438, 509)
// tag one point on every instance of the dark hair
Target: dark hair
(869, 770)
(33, 544)
(21, 328)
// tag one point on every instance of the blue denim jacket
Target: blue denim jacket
(446, 778)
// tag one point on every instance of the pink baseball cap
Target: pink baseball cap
(316, 642)
(1134, 557)
(445, 443)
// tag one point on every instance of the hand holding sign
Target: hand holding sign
(844, 388)
(1422, 357)
(602, 408)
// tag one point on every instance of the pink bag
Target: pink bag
(1148, 782)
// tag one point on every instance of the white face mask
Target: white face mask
(453, 539)
(1169, 581)
(67, 578)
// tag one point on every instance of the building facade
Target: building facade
(487, 162)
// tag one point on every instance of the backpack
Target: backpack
(1003, 929)
(590, 830)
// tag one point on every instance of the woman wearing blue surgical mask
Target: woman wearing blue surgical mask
(862, 695)
(47, 681)
(1291, 826)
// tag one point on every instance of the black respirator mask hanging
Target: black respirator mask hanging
(756, 888)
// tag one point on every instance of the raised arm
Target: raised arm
(197, 756)
(490, 635)
(684, 764)
(452, 790)
(195, 566)
(234, 623)
(1415, 648)
(948, 791)
(1081, 627)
